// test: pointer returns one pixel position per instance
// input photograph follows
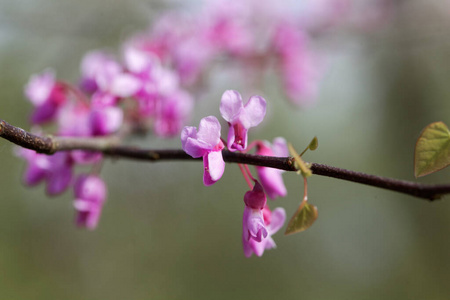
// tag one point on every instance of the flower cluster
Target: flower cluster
(153, 83)
(259, 222)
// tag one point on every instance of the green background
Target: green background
(163, 235)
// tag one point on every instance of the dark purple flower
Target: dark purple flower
(55, 170)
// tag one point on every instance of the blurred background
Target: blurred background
(163, 235)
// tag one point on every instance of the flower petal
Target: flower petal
(255, 110)
(279, 147)
(214, 167)
(255, 224)
(272, 181)
(125, 85)
(209, 131)
(191, 145)
(277, 220)
(230, 105)
(58, 181)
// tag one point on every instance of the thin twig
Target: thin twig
(110, 146)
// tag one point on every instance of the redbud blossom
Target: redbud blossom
(271, 178)
(205, 143)
(55, 170)
(90, 194)
(46, 94)
(240, 118)
(172, 113)
(259, 223)
(300, 70)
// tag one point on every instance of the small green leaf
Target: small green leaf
(303, 218)
(313, 144)
(299, 163)
(432, 151)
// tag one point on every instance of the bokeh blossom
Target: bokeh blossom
(90, 194)
(47, 96)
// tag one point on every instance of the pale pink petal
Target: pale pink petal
(277, 220)
(40, 86)
(125, 85)
(279, 147)
(230, 105)
(209, 131)
(215, 167)
(255, 110)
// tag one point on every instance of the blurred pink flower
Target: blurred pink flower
(90, 194)
(46, 94)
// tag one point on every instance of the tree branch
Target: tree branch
(110, 146)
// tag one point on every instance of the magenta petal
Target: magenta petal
(44, 113)
(255, 199)
(230, 105)
(90, 193)
(230, 139)
(59, 181)
(272, 181)
(87, 218)
(34, 174)
(237, 137)
(106, 120)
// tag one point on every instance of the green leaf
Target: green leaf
(303, 218)
(313, 144)
(299, 163)
(432, 151)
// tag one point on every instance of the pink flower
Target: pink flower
(102, 74)
(300, 70)
(46, 94)
(55, 170)
(90, 194)
(105, 120)
(251, 246)
(259, 223)
(240, 118)
(172, 113)
(205, 143)
(253, 223)
(271, 178)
